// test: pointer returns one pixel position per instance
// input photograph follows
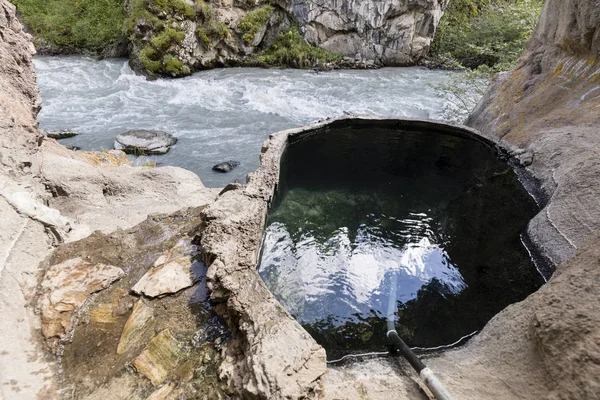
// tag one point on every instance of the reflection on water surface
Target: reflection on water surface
(360, 208)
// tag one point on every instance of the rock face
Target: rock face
(50, 195)
(390, 32)
(65, 288)
(226, 166)
(177, 40)
(547, 111)
(272, 356)
(144, 142)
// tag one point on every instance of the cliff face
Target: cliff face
(548, 108)
(391, 32)
(177, 37)
(547, 111)
(50, 195)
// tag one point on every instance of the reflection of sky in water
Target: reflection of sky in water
(348, 275)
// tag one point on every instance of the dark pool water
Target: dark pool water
(361, 207)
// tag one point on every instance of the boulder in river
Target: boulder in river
(226, 166)
(141, 142)
(60, 134)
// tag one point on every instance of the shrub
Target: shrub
(172, 7)
(486, 32)
(291, 50)
(75, 26)
(463, 91)
(253, 21)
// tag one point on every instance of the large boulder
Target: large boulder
(141, 142)
(390, 32)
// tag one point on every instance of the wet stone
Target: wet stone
(66, 287)
(163, 393)
(103, 317)
(173, 271)
(226, 166)
(162, 355)
(137, 321)
(61, 134)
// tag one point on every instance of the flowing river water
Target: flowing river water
(221, 114)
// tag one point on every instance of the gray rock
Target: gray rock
(367, 32)
(226, 166)
(61, 134)
(144, 142)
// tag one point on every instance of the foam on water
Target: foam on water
(219, 114)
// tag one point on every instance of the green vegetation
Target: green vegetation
(291, 50)
(482, 37)
(172, 7)
(213, 31)
(138, 11)
(156, 58)
(253, 21)
(81, 26)
(485, 32)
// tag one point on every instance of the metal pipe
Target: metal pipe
(427, 375)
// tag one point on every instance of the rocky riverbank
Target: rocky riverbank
(50, 195)
(62, 343)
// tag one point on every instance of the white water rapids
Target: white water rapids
(221, 114)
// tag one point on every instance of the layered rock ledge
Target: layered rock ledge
(50, 195)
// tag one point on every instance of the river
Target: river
(220, 114)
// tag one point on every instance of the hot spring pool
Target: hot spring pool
(361, 205)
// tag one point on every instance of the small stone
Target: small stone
(139, 318)
(61, 134)
(66, 287)
(159, 358)
(182, 248)
(141, 142)
(226, 166)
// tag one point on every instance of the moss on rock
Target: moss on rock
(291, 50)
(254, 21)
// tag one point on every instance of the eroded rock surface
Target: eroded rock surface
(66, 287)
(271, 356)
(177, 269)
(547, 112)
(390, 32)
(177, 41)
(50, 195)
(125, 346)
